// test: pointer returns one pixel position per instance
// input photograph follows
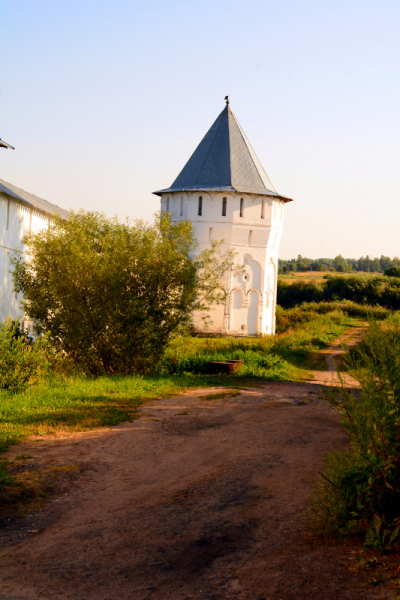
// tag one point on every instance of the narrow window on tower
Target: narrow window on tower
(181, 205)
(250, 237)
(263, 209)
(167, 209)
(241, 206)
(224, 207)
(210, 234)
(200, 211)
(8, 214)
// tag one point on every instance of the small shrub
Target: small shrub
(22, 362)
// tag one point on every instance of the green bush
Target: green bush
(359, 493)
(393, 272)
(22, 362)
(125, 289)
(291, 295)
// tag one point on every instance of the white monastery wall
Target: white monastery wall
(16, 220)
(252, 227)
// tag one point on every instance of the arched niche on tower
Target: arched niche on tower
(244, 311)
(252, 277)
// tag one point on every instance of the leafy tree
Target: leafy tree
(110, 294)
(340, 264)
(393, 272)
(385, 262)
(376, 265)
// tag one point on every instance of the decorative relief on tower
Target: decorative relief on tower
(270, 283)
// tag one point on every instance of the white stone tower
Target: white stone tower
(228, 196)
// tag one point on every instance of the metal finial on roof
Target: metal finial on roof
(227, 99)
(5, 145)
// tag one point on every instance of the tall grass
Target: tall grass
(307, 311)
(268, 357)
(359, 493)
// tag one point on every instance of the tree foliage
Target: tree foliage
(344, 265)
(110, 294)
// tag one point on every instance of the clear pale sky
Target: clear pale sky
(106, 100)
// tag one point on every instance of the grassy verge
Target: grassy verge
(288, 355)
(62, 404)
(76, 404)
(79, 404)
(359, 493)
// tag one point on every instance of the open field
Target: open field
(318, 275)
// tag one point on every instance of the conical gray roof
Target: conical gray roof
(224, 161)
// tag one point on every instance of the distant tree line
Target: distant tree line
(340, 264)
(380, 290)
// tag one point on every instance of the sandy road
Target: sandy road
(200, 498)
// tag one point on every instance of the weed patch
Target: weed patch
(359, 493)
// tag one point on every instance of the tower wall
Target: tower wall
(255, 237)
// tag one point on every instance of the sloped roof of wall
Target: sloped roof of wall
(4, 144)
(33, 201)
(224, 161)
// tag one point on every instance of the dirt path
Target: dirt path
(332, 356)
(205, 496)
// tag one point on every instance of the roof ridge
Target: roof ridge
(32, 200)
(210, 146)
(251, 152)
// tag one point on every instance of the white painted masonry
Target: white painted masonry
(250, 307)
(19, 214)
(225, 192)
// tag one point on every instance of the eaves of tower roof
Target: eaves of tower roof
(224, 161)
(32, 200)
